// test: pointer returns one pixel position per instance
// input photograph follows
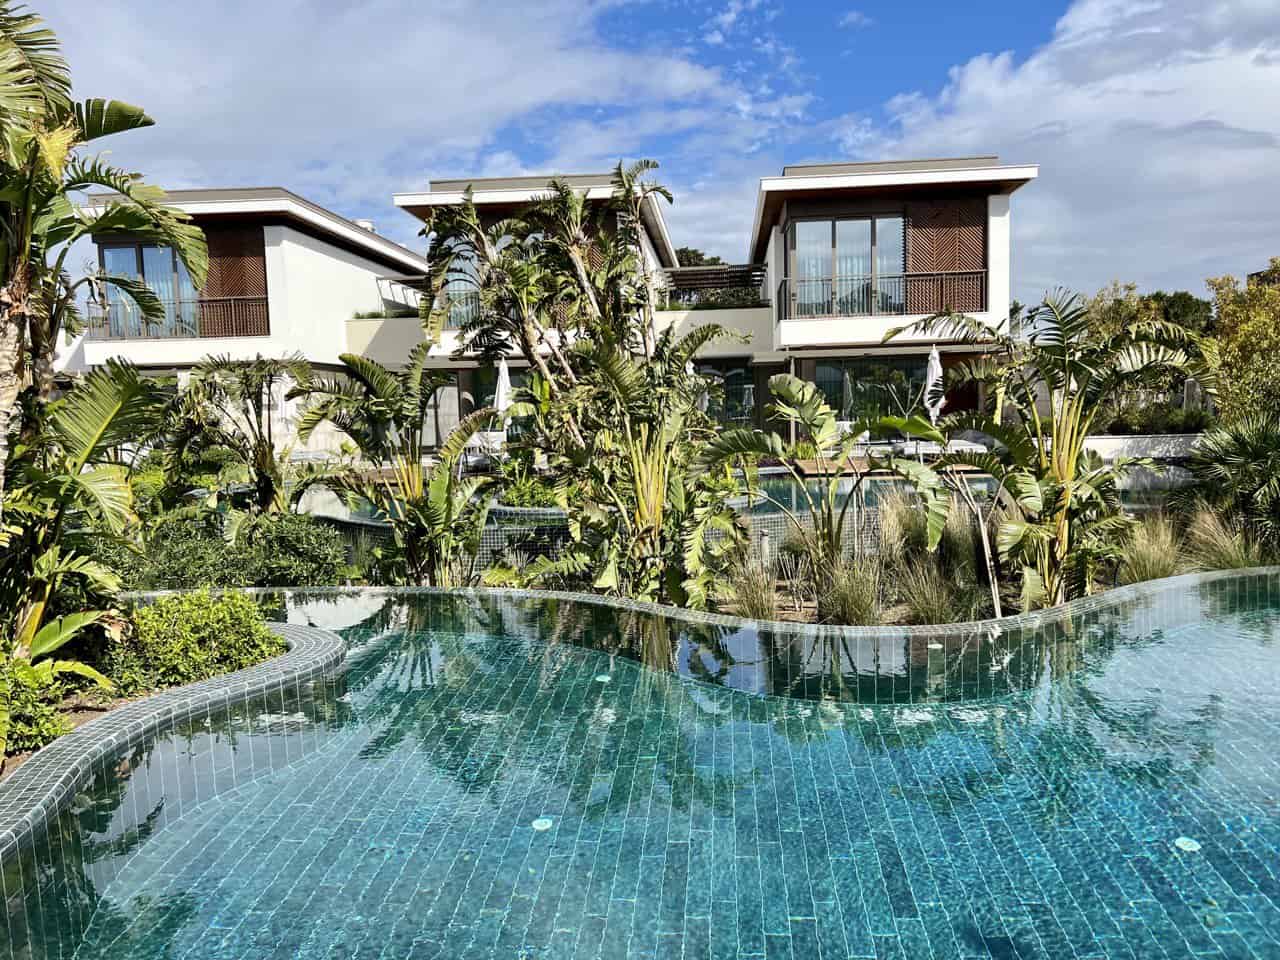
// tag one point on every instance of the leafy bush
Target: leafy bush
(291, 550)
(1159, 418)
(528, 491)
(280, 550)
(1152, 553)
(190, 637)
(34, 718)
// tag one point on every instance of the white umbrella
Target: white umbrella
(933, 399)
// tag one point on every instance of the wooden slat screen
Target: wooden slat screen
(948, 236)
(237, 269)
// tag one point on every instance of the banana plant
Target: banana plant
(68, 480)
(826, 512)
(42, 173)
(436, 515)
(1044, 394)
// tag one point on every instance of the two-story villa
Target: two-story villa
(838, 255)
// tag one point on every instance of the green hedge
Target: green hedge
(282, 550)
(189, 637)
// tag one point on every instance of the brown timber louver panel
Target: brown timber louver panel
(236, 289)
(943, 238)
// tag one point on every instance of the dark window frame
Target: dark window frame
(833, 277)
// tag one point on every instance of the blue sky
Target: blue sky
(1156, 122)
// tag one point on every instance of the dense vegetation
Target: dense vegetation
(121, 481)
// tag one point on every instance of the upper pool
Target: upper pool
(520, 776)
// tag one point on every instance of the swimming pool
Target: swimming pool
(504, 775)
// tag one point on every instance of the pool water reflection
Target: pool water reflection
(505, 776)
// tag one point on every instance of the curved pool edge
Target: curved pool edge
(41, 788)
(1035, 619)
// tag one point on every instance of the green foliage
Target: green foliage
(1159, 418)
(34, 717)
(188, 637)
(1046, 392)
(277, 550)
(436, 515)
(1237, 469)
(1248, 333)
(1153, 551)
(521, 487)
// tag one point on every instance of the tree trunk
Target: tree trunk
(10, 376)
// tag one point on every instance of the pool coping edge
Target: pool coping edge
(41, 788)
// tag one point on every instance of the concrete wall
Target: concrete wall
(756, 322)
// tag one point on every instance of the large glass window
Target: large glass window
(165, 275)
(733, 402)
(859, 387)
(846, 267)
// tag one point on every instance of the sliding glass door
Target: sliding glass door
(847, 267)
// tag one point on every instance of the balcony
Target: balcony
(892, 295)
(206, 318)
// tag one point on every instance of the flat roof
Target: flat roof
(512, 193)
(253, 202)
(810, 181)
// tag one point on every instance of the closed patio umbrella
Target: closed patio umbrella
(933, 399)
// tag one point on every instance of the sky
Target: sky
(1156, 123)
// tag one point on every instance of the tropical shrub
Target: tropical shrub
(188, 637)
(277, 550)
(34, 717)
(292, 550)
(1236, 469)
(1046, 392)
(436, 515)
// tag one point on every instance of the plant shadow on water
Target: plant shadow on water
(721, 786)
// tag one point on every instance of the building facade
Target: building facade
(839, 255)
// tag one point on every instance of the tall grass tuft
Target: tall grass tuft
(1215, 542)
(903, 532)
(933, 596)
(752, 591)
(958, 548)
(1154, 551)
(851, 594)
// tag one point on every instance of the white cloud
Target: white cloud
(855, 20)
(1157, 128)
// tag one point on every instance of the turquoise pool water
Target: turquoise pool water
(505, 777)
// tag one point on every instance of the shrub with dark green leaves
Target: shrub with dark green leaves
(34, 718)
(280, 550)
(291, 550)
(189, 637)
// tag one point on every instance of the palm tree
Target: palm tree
(1045, 391)
(40, 131)
(1236, 467)
(436, 515)
(228, 406)
(631, 192)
